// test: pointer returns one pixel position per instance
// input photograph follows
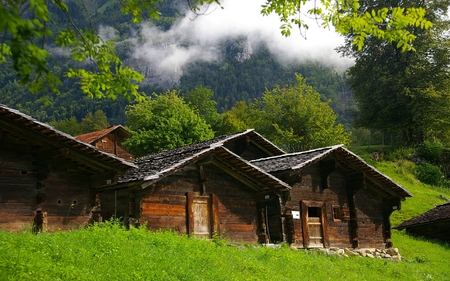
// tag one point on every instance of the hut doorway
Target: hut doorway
(315, 227)
(272, 218)
(314, 224)
(201, 212)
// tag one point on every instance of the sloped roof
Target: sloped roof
(439, 213)
(348, 160)
(94, 136)
(29, 129)
(160, 164)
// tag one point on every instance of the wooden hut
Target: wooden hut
(48, 179)
(109, 140)
(434, 224)
(201, 189)
(336, 200)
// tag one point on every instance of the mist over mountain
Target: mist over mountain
(235, 51)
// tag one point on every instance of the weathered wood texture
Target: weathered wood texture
(337, 224)
(30, 184)
(190, 203)
(112, 143)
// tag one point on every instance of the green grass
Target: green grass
(113, 253)
(109, 252)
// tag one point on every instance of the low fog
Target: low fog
(197, 37)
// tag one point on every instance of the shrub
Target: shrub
(431, 151)
(400, 153)
(430, 174)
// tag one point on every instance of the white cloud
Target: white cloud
(237, 18)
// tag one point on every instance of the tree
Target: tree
(94, 122)
(200, 100)
(69, 126)
(161, 122)
(90, 123)
(25, 25)
(406, 92)
(293, 117)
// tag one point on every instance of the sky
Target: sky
(237, 18)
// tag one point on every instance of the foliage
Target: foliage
(26, 26)
(389, 23)
(161, 122)
(431, 151)
(293, 117)
(430, 174)
(405, 92)
(90, 123)
(200, 99)
(232, 80)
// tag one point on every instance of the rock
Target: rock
(392, 251)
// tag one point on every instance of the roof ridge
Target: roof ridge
(297, 153)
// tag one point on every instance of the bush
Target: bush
(400, 153)
(430, 174)
(431, 151)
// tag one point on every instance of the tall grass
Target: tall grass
(110, 252)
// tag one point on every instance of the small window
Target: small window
(337, 214)
(313, 212)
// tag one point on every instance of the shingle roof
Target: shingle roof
(20, 123)
(299, 160)
(441, 212)
(292, 161)
(93, 136)
(157, 165)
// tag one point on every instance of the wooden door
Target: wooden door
(272, 219)
(201, 216)
(315, 227)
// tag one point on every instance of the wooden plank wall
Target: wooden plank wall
(238, 210)
(163, 205)
(112, 143)
(23, 193)
(369, 211)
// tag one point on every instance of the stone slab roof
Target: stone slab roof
(94, 136)
(299, 160)
(160, 164)
(26, 127)
(439, 213)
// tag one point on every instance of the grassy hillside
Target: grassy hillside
(109, 252)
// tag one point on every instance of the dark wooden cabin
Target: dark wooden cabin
(109, 140)
(48, 179)
(434, 224)
(201, 189)
(336, 200)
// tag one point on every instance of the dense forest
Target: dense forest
(232, 78)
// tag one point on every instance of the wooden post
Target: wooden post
(189, 213)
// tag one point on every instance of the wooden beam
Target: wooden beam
(239, 176)
(108, 178)
(40, 138)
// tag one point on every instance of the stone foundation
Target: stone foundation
(387, 254)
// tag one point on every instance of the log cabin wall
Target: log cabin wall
(330, 196)
(181, 201)
(54, 192)
(112, 143)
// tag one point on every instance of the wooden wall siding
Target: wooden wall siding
(112, 143)
(29, 186)
(366, 229)
(166, 205)
(369, 217)
(246, 149)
